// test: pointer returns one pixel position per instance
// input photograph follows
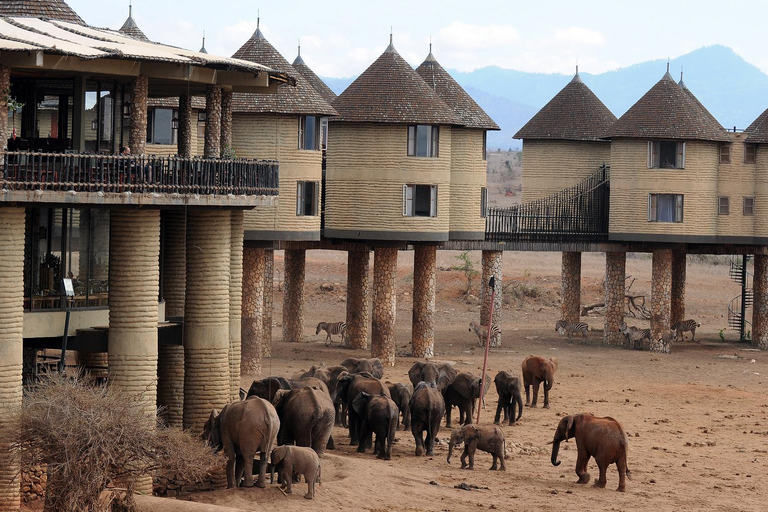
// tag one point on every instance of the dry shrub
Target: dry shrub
(93, 436)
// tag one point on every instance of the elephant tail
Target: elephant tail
(319, 473)
(506, 455)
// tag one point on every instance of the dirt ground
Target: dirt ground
(698, 423)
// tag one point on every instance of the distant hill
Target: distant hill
(732, 89)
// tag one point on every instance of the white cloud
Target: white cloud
(459, 35)
(580, 36)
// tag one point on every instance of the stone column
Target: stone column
(677, 314)
(134, 287)
(226, 120)
(571, 287)
(206, 324)
(293, 297)
(266, 315)
(186, 123)
(5, 85)
(252, 310)
(492, 266)
(358, 298)
(384, 304)
(170, 384)
(12, 227)
(760, 304)
(615, 283)
(95, 364)
(138, 133)
(235, 302)
(213, 122)
(661, 292)
(423, 330)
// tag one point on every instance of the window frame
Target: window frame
(151, 117)
(409, 200)
(301, 199)
(485, 144)
(751, 207)
(484, 202)
(654, 154)
(679, 208)
(302, 145)
(723, 208)
(433, 141)
(725, 153)
(750, 153)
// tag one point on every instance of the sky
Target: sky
(341, 38)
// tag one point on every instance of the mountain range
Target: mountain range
(732, 89)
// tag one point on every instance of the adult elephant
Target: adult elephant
(463, 393)
(441, 373)
(380, 417)
(348, 388)
(401, 394)
(306, 418)
(508, 389)
(242, 429)
(330, 376)
(427, 410)
(372, 366)
(268, 387)
(537, 369)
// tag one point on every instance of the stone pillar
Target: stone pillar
(134, 287)
(384, 304)
(252, 310)
(206, 323)
(571, 287)
(760, 304)
(96, 365)
(5, 85)
(12, 225)
(213, 122)
(661, 293)
(677, 314)
(186, 124)
(293, 296)
(615, 283)
(266, 315)
(423, 330)
(358, 298)
(235, 302)
(170, 384)
(138, 134)
(492, 266)
(226, 120)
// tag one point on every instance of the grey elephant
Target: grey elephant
(441, 373)
(427, 411)
(242, 429)
(306, 416)
(380, 417)
(463, 393)
(401, 395)
(330, 376)
(508, 388)
(488, 438)
(348, 388)
(372, 366)
(266, 388)
(290, 461)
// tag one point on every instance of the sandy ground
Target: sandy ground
(698, 423)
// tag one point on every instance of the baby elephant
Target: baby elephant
(601, 438)
(488, 438)
(290, 461)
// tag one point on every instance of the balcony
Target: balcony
(89, 179)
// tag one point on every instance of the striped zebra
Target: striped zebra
(635, 336)
(332, 328)
(482, 332)
(569, 328)
(685, 326)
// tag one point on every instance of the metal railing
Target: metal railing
(576, 214)
(138, 174)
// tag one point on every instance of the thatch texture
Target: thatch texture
(130, 28)
(53, 9)
(315, 81)
(757, 132)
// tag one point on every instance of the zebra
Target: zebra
(482, 333)
(685, 326)
(564, 327)
(332, 328)
(635, 336)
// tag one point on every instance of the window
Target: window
(160, 128)
(420, 200)
(324, 133)
(749, 206)
(723, 205)
(750, 153)
(725, 153)
(423, 140)
(483, 202)
(665, 208)
(666, 155)
(485, 145)
(309, 133)
(306, 197)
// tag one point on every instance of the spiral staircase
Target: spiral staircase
(737, 308)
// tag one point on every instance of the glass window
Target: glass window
(725, 153)
(309, 133)
(750, 153)
(306, 198)
(160, 126)
(665, 207)
(723, 205)
(420, 200)
(483, 202)
(749, 206)
(423, 140)
(666, 155)
(485, 145)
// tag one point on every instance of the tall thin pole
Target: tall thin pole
(492, 284)
(743, 319)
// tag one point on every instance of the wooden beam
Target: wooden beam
(32, 59)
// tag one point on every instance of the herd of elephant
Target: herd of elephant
(289, 422)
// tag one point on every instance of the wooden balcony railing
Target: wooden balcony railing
(137, 174)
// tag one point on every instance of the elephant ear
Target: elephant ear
(278, 454)
(414, 374)
(569, 427)
(472, 432)
(361, 402)
(378, 368)
(280, 397)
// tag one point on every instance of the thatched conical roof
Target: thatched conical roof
(757, 132)
(667, 111)
(52, 9)
(465, 108)
(575, 113)
(315, 81)
(302, 99)
(390, 91)
(130, 28)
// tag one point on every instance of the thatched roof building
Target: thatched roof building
(314, 80)
(49, 9)
(130, 28)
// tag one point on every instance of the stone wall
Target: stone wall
(235, 301)
(5, 85)
(186, 124)
(760, 305)
(170, 384)
(252, 314)
(570, 289)
(492, 266)
(138, 131)
(268, 306)
(358, 298)
(226, 120)
(174, 262)
(615, 283)
(677, 308)
(383, 342)
(293, 297)
(423, 331)
(173, 487)
(212, 122)
(661, 294)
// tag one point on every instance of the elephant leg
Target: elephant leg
(430, 444)
(621, 465)
(239, 469)
(494, 467)
(546, 396)
(363, 436)
(448, 409)
(288, 475)
(509, 412)
(310, 477)
(261, 480)
(499, 407)
(535, 393)
(344, 415)
(407, 419)
(418, 432)
(500, 455)
(601, 480)
(581, 466)
(353, 426)
(330, 445)
(471, 451)
(464, 457)
(527, 394)
(247, 462)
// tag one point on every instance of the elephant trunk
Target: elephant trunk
(519, 399)
(450, 451)
(555, 449)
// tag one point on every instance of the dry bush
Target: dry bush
(93, 436)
